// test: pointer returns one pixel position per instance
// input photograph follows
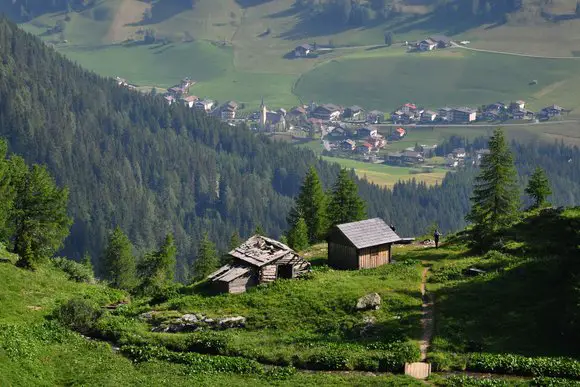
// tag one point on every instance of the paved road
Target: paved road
(484, 125)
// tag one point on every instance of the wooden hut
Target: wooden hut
(357, 245)
(258, 260)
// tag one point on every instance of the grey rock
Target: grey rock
(369, 302)
(189, 318)
(146, 316)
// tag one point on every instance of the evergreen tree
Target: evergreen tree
(39, 217)
(157, 269)
(87, 261)
(311, 204)
(345, 204)
(298, 235)
(495, 197)
(538, 188)
(259, 230)
(6, 192)
(119, 261)
(388, 38)
(207, 259)
(235, 241)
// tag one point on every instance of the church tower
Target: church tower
(263, 113)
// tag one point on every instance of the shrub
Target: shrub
(521, 365)
(445, 361)
(79, 314)
(553, 382)
(470, 381)
(76, 271)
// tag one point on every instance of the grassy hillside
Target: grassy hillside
(36, 350)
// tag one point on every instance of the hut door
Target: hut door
(286, 271)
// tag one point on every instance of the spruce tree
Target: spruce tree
(495, 199)
(345, 204)
(259, 230)
(538, 188)
(39, 217)
(207, 259)
(157, 269)
(311, 204)
(235, 241)
(298, 235)
(119, 262)
(6, 191)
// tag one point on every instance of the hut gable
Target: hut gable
(258, 260)
(357, 245)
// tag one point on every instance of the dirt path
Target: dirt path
(455, 45)
(427, 318)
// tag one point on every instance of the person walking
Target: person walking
(436, 236)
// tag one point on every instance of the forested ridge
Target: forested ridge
(129, 160)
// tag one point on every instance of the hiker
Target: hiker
(436, 236)
(393, 227)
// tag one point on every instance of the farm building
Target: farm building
(258, 260)
(360, 245)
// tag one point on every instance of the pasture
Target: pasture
(386, 175)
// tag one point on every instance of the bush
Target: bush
(470, 381)
(79, 314)
(525, 366)
(553, 382)
(76, 271)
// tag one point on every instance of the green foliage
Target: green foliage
(39, 217)
(345, 204)
(542, 381)
(7, 191)
(495, 196)
(79, 314)
(207, 259)
(521, 365)
(235, 241)
(119, 261)
(539, 188)
(298, 235)
(471, 381)
(79, 272)
(157, 269)
(311, 205)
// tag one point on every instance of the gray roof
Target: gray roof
(259, 251)
(367, 233)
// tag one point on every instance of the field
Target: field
(387, 176)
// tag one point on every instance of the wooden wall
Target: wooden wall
(341, 256)
(374, 256)
(269, 273)
(241, 284)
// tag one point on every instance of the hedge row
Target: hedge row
(525, 366)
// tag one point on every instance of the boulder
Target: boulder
(189, 318)
(232, 322)
(368, 302)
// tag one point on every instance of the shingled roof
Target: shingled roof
(367, 233)
(259, 251)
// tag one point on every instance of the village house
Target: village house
(441, 40)
(360, 245)
(451, 162)
(367, 132)
(412, 157)
(517, 106)
(228, 110)
(523, 114)
(551, 111)
(428, 150)
(352, 112)
(408, 108)
(303, 50)
(445, 114)
(428, 116)
(296, 112)
(364, 148)
(206, 105)
(121, 81)
(256, 261)
(397, 134)
(327, 112)
(427, 45)
(459, 153)
(377, 141)
(375, 117)
(338, 132)
(348, 145)
(463, 115)
(189, 101)
(497, 107)
(169, 99)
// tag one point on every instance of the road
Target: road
(512, 53)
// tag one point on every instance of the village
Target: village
(354, 133)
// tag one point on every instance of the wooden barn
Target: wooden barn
(258, 260)
(360, 245)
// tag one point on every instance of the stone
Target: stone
(232, 322)
(146, 316)
(189, 318)
(369, 302)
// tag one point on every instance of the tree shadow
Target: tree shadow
(251, 3)
(164, 10)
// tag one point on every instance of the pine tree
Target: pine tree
(207, 259)
(39, 217)
(538, 188)
(495, 198)
(345, 204)
(119, 261)
(259, 230)
(235, 241)
(6, 191)
(157, 269)
(298, 235)
(311, 204)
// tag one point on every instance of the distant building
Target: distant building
(551, 111)
(169, 99)
(327, 112)
(442, 41)
(364, 148)
(428, 116)
(375, 117)
(303, 50)
(228, 110)
(348, 145)
(206, 105)
(353, 112)
(427, 45)
(189, 101)
(360, 245)
(445, 114)
(397, 134)
(367, 132)
(463, 115)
